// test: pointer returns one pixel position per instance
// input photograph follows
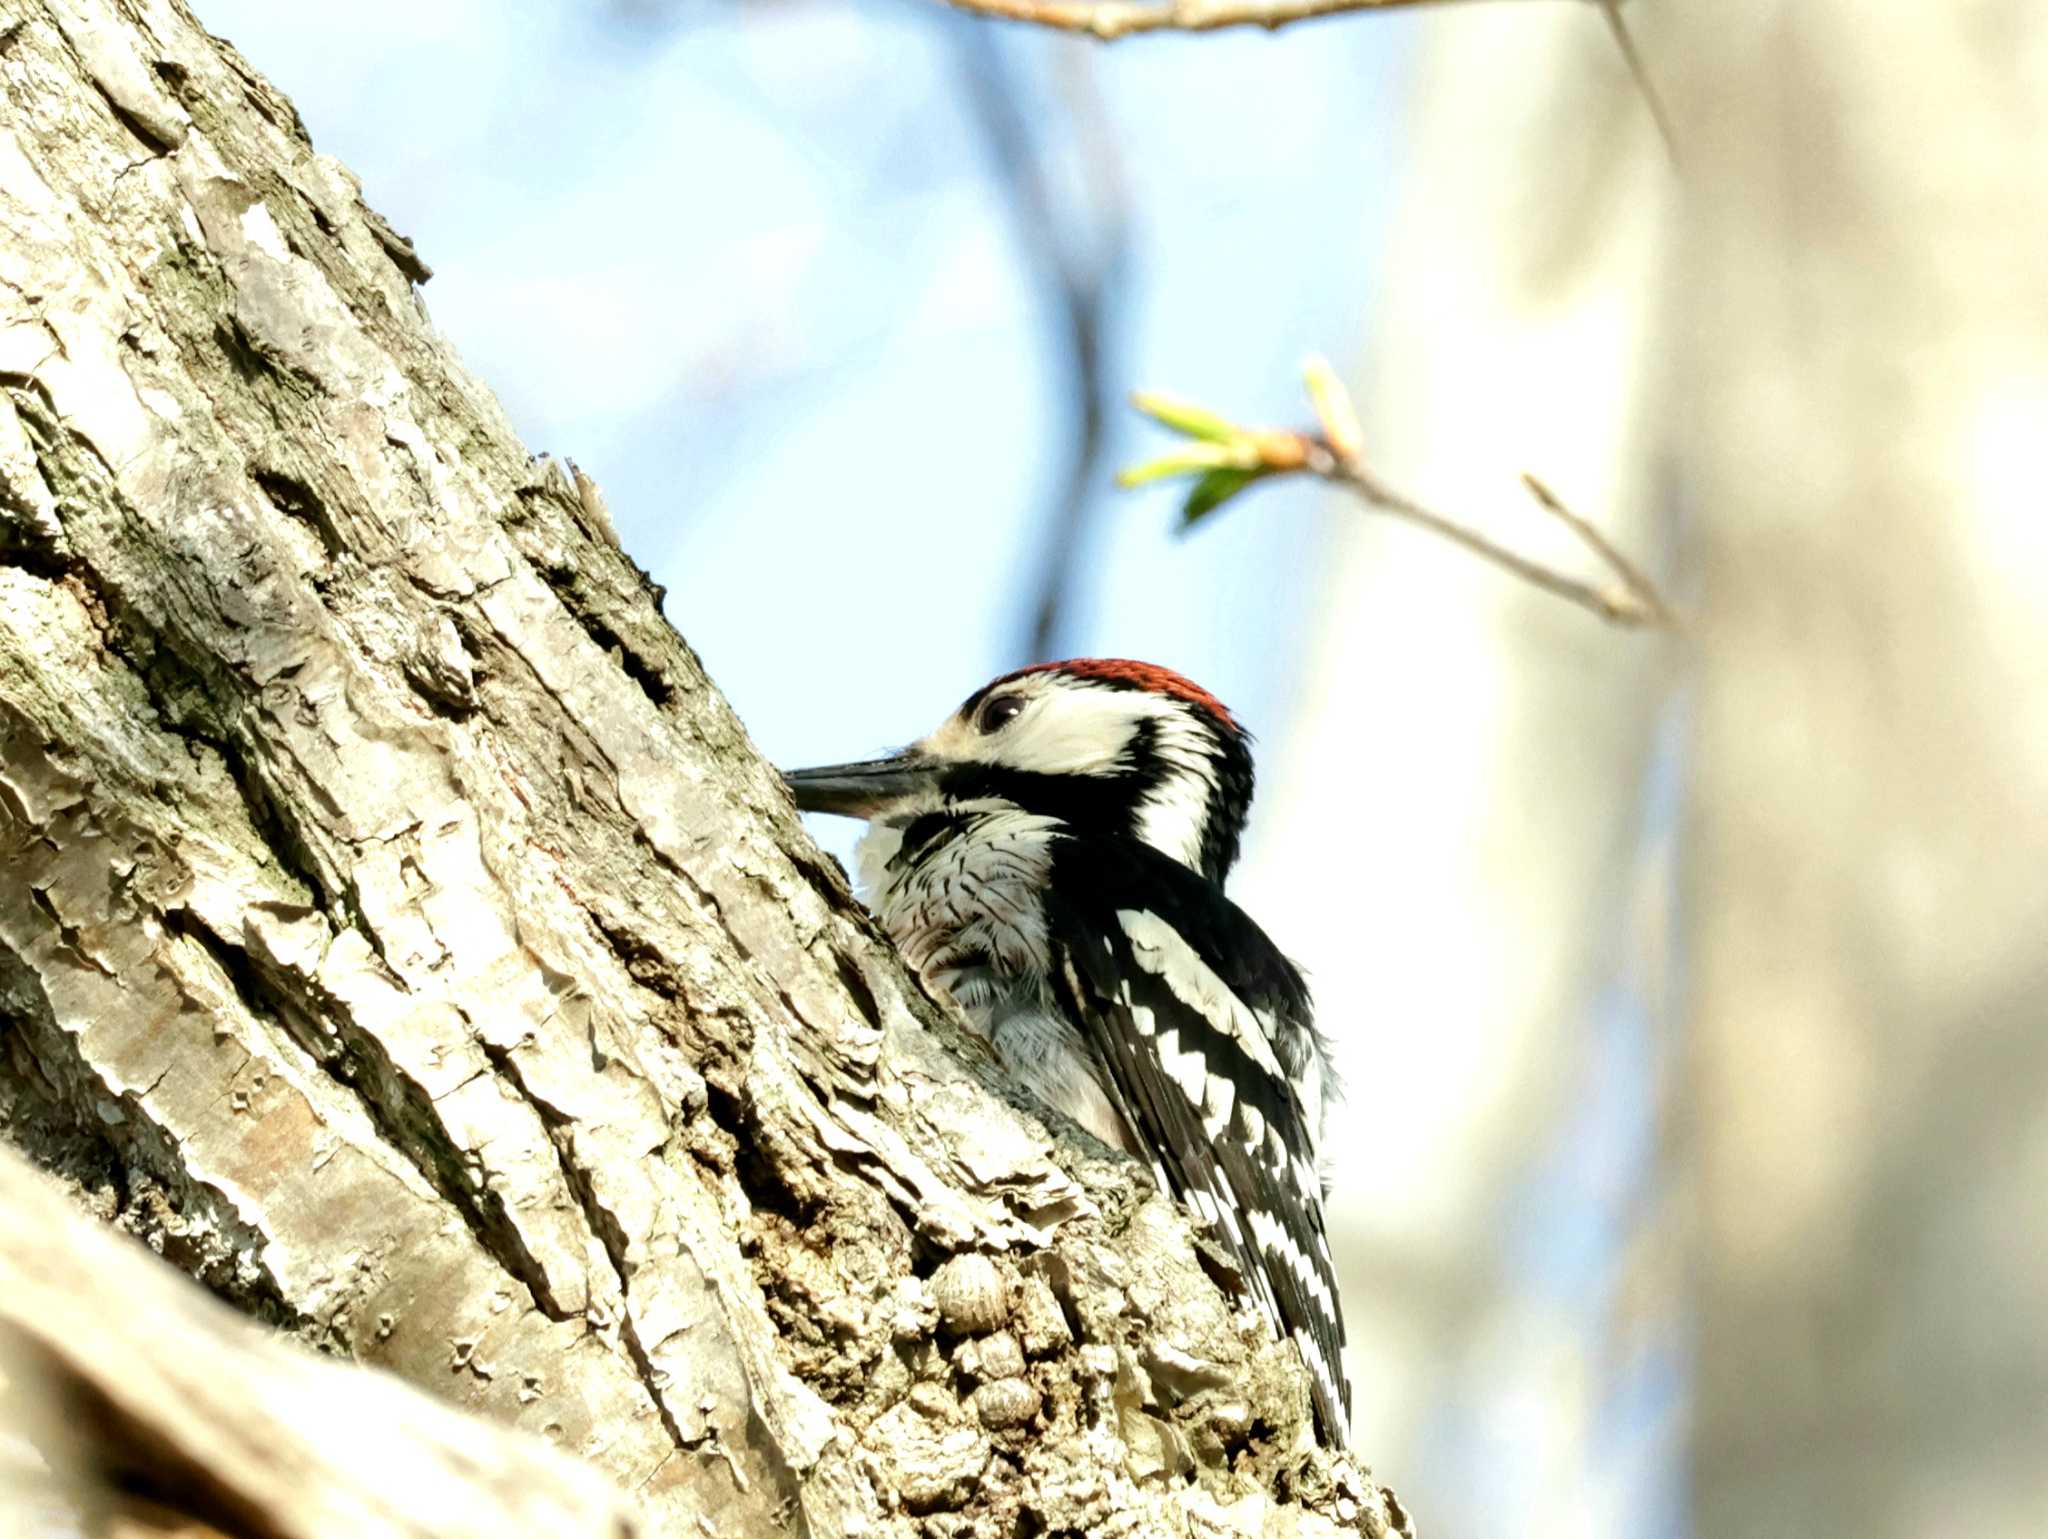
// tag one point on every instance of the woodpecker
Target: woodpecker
(1052, 857)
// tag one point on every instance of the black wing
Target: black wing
(1171, 981)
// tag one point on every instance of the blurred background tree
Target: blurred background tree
(1694, 986)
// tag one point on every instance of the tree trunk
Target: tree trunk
(399, 934)
(1866, 362)
(234, 1430)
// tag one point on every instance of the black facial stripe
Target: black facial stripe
(1141, 752)
(1143, 773)
(922, 833)
(1229, 804)
(1090, 804)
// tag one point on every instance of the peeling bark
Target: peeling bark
(399, 934)
(234, 1430)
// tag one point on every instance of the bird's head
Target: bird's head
(1105, 745)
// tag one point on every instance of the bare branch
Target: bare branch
(1112, 19)
(1634, 603)
(1632, 577)
(1109, 20)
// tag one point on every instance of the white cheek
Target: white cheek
(1065, 742)
(1069, 732)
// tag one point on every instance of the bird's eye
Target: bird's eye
(1000, 712)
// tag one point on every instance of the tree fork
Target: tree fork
(399, 933)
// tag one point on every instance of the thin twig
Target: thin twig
(1632, 576)
(1625, 40)
(1221, 458)
(1112, 19)
(1109, 20)
(1635, 603)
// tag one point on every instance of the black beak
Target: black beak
(864, 790)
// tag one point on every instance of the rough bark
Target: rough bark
(399, 933)
(241, 1431)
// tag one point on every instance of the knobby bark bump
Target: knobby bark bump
(399, 934)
